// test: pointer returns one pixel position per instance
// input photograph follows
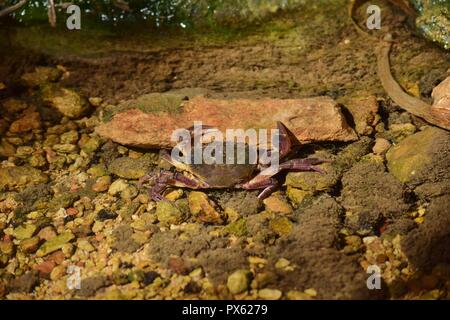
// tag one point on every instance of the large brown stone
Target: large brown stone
(310, 119)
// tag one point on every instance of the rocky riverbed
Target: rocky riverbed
(70, 199)
(76, 224)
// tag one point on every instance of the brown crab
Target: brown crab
(247, 176)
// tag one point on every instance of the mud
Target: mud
(371, 196)
(429, 244)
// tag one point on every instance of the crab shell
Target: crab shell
(220, 175)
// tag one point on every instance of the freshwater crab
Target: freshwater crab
(246, 176)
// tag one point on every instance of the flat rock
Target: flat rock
(310, 119)
(421, 157)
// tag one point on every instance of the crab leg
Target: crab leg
(167, 178)
(265, 181)
(268, 184)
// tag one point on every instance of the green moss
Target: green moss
(238, 228)
(149, 103)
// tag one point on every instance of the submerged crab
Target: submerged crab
(247, 176)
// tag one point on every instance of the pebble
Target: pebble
(47, 233)
(168, 213)
(54, 244)
(29, 245)
(202, 208)
(281, 225)
(24, 231)
(270, 294)
(277, 204)
(239, 281)
(69, 137)
(65, 148)
(381, 146)
(102, 184)
(117, 187)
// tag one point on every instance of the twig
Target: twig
(12, 8)
(417, 107)
(51, 13)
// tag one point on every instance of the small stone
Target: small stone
(24, 231)
(69, 137)
(72, 211)
(130, 168)
(270, 294)
(103, 215)
(101, 184)
(65, 148)
(47, 233)
(297, 196)
(381, 146)
(89, 144)
(85, 245)
(117, 186)
(66, 101)
(68, 249)
(129, 193)
(95, 101)
(45, 267)
(281, 225)
(277, 204)
(168, 213)
(40, 76)
(14, 106)
(98, 170)
(202, 208)
(37, 161)
(311, 292)
(174, 194)
(55, 244)
(30, 120)
(400, 131)
(353, 244)
(7, 248)
(24, 151)
(282, 263)
(239, 281)
(7, 149)
(30, 245)
(58, 272)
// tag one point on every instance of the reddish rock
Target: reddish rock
(29, 121)
(71, 211)
(365, 114)
(310, 119)
(57, 257)
(45, 266)
(441, 95)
